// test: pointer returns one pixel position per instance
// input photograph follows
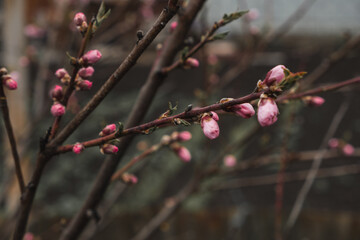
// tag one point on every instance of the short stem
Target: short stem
(10, 133)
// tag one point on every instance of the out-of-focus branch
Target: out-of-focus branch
(11, 136)
(330, 61)
(315, 167)
(338, 171)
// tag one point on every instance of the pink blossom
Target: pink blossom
(91, 57)
(79, 18)
(86, 73)
(33, 31)
(173, 25)
(348, 149)
(229, 160)
(78, 148)
(107, 130)
(209, 125)
(57, 110)
(83, 85)
(109, 149)
(183, 153)
(275, 75)
(184, 136)
(9, 82)
(267, 112)
(253, 14)
(57, 92)
(192, 62)
(60, 73)
(214, 116)
(244, 110)
(333, 143)
(314, 101)
(28, 236)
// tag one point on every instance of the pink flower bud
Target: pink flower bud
(129, 178)
(83, 85)
(314, 101)
(91, 57)
(192, 63)
(229, 160)
(109, 129)
(9, 82)
(333, 143)
(253, 14)
(267, 112)
(183, 153)
(275, 75)
(348, 149)
(184, 136)
(173, 25)
(60, 73)
(244, 110)
(86, 73)
(209, 126)
(57, 93)
(109, 149)
(28, 236)
(79, 19)
(57, 110)
(78, 148)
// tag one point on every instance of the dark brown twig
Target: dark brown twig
(12, 141)
(190, 115)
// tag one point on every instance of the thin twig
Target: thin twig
(315, 167)
(12, 141)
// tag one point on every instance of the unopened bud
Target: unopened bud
(275, 75)
(86, 73)
(229, 160)
(183, 153)
(267, 112)
(79, 19)
(184, 136)
(91, 57)
(192, 63)
(129, 178)
(60, 73)
(9, 82)
(107, 130)
(109, 149)
(78, 148)
(173, 25)
(83, 84)
(333, 143)
(210, 126)
(348, 149)
(314, 101)
(245, 110)
(57, 93)
(57, 110)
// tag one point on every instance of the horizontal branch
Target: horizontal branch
(190, 115)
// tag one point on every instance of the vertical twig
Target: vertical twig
(315, 167)
(10, 133)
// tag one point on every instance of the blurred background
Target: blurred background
(202, 199)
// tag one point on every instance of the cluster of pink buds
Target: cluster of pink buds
(173, 141)
(313, 101)
(108, 148)
(346, 148)
(209, 125)
(7, 80)
(80, 22)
